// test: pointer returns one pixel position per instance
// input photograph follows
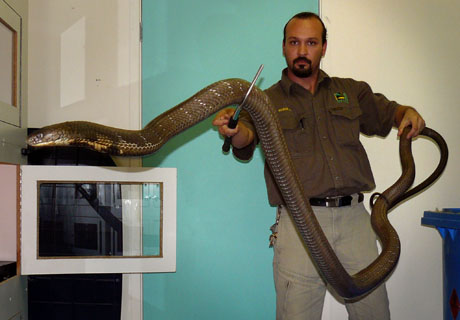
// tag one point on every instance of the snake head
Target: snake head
(77, 134)
(61, 134)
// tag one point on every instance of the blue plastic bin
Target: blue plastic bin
(447, 222)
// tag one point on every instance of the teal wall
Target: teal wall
(224, 265)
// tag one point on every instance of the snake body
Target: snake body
(229, 92)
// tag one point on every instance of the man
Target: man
(322, 118)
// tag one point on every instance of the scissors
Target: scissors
(234, 119)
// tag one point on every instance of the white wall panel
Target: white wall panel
(85, 63)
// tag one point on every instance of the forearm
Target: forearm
(243, 138)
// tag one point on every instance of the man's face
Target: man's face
(303, 47)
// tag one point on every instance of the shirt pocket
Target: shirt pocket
(345, 121)
(298, 133)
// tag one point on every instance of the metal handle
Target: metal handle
(234, 119)
(228, 140)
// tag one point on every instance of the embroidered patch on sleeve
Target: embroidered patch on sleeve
(341, 97)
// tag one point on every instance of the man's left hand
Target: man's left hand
(410, 117)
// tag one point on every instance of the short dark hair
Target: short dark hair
(307, 15)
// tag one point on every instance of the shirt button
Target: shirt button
(331, 158)
(324, 137)
(337, 178)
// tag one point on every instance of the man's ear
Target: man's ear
(324, 49)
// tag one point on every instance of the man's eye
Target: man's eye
(294, 42)
(312, 43)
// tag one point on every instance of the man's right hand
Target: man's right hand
(221, 122)
(241, 135)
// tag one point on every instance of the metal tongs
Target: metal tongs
(234, 119)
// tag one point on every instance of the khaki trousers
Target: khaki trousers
(300, 290)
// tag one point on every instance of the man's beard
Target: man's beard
(304, 72)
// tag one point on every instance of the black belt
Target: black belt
(335, 201)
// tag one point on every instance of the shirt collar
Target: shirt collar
(288, 85)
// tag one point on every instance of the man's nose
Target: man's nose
(303, 50)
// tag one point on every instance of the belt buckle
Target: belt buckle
(333, 202)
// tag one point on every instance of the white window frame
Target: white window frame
(32, 175)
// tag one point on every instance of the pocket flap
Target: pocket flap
(349, 112)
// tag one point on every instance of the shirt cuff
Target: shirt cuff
(246, 152)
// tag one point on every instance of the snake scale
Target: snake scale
(230, 92)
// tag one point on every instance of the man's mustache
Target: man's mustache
(302, 59)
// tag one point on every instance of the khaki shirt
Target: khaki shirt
(322, 134)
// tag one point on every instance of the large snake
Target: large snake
(230, 92)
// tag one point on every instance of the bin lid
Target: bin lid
(447, 218)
